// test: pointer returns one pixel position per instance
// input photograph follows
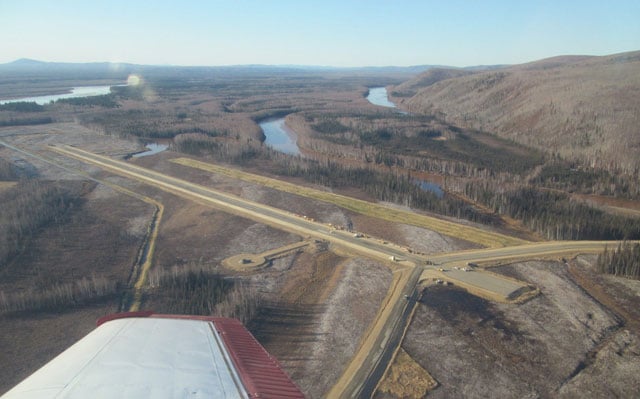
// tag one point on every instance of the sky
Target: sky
(332, 33)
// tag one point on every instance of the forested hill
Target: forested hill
(579, 107)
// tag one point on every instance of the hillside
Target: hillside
(580, 107)
(426, 79)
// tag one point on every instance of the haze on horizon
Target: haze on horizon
(332, 33)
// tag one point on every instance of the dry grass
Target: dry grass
(5, 185)
(472, 234)
(406, 379)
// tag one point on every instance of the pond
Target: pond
(426, 185)
(279, 137)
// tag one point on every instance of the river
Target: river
(83, 91)
(279, 137)
(379, 96)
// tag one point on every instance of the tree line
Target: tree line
(7, 171)
(402, 136)
(22, 106)
(550, 213)
(105, 101)
(197, 290)
(382, 185)
(43, 120)
(573, 177)
(59, 296)
(147, 123)
(623, 261)
(553, 214)
(195, 143)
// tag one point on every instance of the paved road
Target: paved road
(233, 204)
(367, 367)
(385, 335)
(549, 248)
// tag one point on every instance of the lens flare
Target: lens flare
(133, 80)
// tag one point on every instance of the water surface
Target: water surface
(279, 137)
(379, 96)
(153, 148)
(84, 91)
(426, 185)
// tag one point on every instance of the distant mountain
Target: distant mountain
(28, 69)
(104, 70)
(581, 107)
(26, 62)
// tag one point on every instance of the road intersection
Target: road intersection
(385, 334)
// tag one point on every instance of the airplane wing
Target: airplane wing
(146, 355)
